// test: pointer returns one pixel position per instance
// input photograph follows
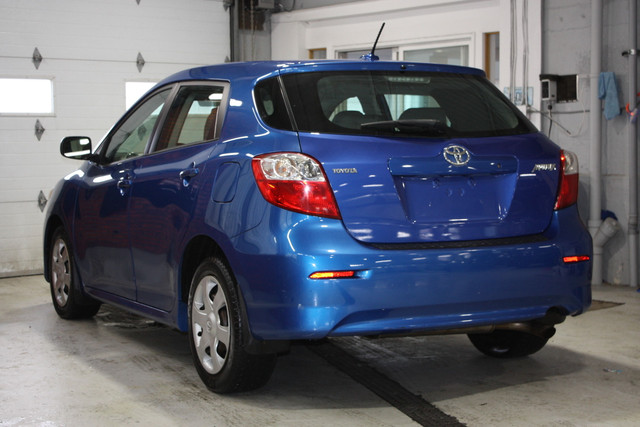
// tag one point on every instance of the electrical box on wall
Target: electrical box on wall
(557, 88)
(548, 90)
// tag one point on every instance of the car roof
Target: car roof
(261, 69)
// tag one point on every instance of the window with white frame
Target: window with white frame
(451, 55)
(320, 53)
(26, 96)
(385, 54)
(492, 56)
(451, 51)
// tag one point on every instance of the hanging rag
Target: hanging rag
(608, 90)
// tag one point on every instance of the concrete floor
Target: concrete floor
(119, 369)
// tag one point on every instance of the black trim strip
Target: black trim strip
(287, 103)
(412, 405)
(519, 240)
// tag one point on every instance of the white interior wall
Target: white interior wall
(567, 50)
(90, 49)
(353, 25)
(413, 24)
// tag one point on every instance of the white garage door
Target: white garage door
(91, 50)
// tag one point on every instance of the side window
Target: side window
(350, 104)
(415, 107)
(271, 106)
(131, 138)
(349, 114)
(193, 117)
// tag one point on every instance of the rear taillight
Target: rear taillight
(295, 182)
(568, 185)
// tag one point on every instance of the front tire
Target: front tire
(216, 333)
(68, 300)
(506, 344)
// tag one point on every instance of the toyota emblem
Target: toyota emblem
(456, 155)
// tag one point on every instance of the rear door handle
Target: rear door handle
(189, 173)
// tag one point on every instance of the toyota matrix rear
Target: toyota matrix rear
(314, 200)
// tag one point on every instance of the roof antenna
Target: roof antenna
(372, 56)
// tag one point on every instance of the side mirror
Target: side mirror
(76, 147)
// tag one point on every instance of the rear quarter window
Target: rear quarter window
(271, 105)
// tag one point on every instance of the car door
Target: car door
(166, 188)
(101, 226)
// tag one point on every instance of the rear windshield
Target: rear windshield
(394, 104)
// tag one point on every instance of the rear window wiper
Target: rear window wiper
(417, 126)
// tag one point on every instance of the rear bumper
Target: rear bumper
(402, 290)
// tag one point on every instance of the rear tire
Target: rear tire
(68, 299)
(505, 344)
(217, 333)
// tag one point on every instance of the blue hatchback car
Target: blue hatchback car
(252, 204)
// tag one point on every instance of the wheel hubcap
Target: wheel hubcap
(60, 272)
(210, 323)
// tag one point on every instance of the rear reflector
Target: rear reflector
(575, 258)
(333, 274)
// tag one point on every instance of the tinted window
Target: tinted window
(193, 117)
(402, 104)
(271, 106)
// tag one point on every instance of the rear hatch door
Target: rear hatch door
(391, 191)
(417, 154)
